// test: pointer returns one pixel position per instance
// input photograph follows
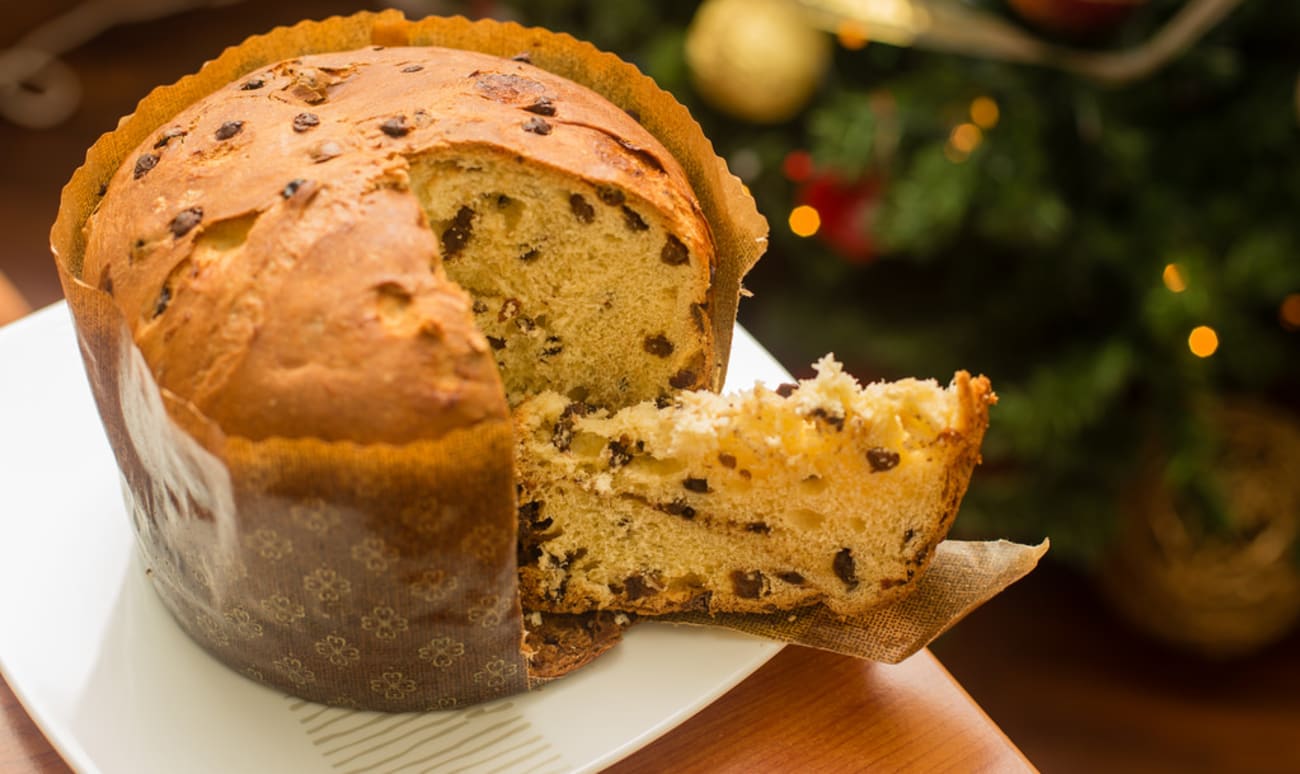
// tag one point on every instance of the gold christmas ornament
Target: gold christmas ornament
(758, 60)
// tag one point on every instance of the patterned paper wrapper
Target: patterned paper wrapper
(382, 576)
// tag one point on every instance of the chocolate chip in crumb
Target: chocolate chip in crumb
(633, 220)
(510, 309)
(497, 343)
(304, 121)
(524, 57)
(503, 201)
(882, 459)
(412, 68)
(658, 345)
(582, 208)
(164, 298)
(543, 106)
(747, 585)
(185, 221)
(292, 187)
(889, 583)
(635, 587)
(845, 568)
(251, 84)
(834, 421)
(697, 485)
(229, 129)
(479, 307)
(758, 527)
(530, 255)
(908, 535)
(103, 189)
(674, 253)
(553, 346)
(678, 508)
(786, 390)
(455, 237)
(168, 136)
(611, 196)
(143, 164)
(726, 460)
(682, 379)
(395, 127)
(537, 125)
(791, 577)
(619, 454)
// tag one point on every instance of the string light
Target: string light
(965, 138)
(852, 35)
(804, 220)
(1173, 278)
(1289, 312)
(984, 112)
(1203, 341)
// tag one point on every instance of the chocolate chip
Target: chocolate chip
(553, 346)
(636, 114)
(674, 252)
(292, 187)
(497, 343)
(747, 585)
(143, 164)
(633, 220)
(786, 390)
(662, 401)
(582, 208)
(727, 460)
(845, 568)
(882, 459)
(510, 309)
(503, 201)
(682, 379)
(758, 527)
(304, 121)
(252, 84)
(479, 307)
(524, 57)
(412, 68)
(827, 417)
(678, 508)
(186, 220)
(525, 323)
(168, 136)
(103, 189)
(164, 298)
(908, 535)
(791, 577)
(530, 255)
(562, 435)
(530, 514)
(697, 485)
(537, 126)
(542, 107)
(611, 196)
(658, 345)
(395, 127)
(458, 233)
(635, 587)
(619, 454)
(889, 583)
(229, 129)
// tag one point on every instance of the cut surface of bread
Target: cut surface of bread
(826, 492)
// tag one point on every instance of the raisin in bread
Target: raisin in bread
(825, 492)
(296, 253)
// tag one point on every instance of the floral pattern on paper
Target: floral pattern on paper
(284, 610)
(242, 621)
(384, 623)
(326, 584)
(489, 611)
(212, 629)
(494, 673)
(433, 585)
(268, 544)
(375, 554)
(337, 651)
(441, 651)
(485, 543)
(294, 670)
(315, 515)
(443, 704)
(394, 685)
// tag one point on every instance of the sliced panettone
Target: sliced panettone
(825, 492)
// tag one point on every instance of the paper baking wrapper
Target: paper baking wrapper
(382, 576)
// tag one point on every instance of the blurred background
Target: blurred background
(1094, 202)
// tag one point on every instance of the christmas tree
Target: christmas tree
(1121, 258)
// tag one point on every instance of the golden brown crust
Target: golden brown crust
(217, 235)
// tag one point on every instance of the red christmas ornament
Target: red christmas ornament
(847, 210)
(1076, 18)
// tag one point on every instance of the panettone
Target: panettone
(822, 492)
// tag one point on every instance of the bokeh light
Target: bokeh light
(984, 112)
(1203, 341)
(804, 220)
(1173, 278)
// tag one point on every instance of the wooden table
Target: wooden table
(805, 710)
